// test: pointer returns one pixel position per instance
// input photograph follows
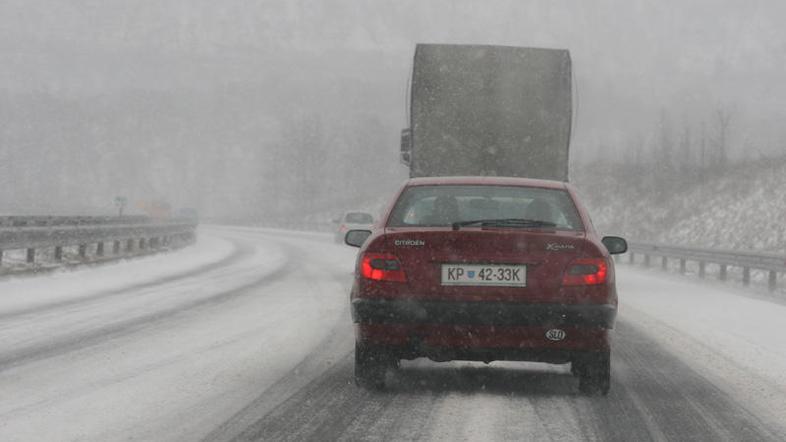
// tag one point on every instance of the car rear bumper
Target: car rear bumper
(382, 311)
(482, 331)
(481, 342)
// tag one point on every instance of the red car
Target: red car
(484, 269)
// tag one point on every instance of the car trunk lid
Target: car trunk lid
(544, 253)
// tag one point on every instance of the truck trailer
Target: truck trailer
(479, 110)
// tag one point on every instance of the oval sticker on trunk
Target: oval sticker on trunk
(555, 334)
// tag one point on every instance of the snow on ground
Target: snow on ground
(742, 209)
(173, 360)
(30, 291)
(729, 334)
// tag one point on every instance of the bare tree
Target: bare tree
(703, 148)
(686, 151)
(665, 154)
(722, 119)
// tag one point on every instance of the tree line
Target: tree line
(232, 155)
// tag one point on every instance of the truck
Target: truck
(478, 110)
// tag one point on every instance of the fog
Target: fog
(250, 297)
(273, 110)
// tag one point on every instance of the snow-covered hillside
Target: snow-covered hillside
(743, 209)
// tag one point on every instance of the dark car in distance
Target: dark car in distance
(484, 269)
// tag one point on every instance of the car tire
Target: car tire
(371, 366)
(594, 373)
(575, 369)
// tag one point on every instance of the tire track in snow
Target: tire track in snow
(330, 352)
(672, 401)
(655, 396)
(238, 254)
(72, 342)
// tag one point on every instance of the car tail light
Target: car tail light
(382, 267)
(586, 271)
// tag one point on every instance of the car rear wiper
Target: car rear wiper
(505, 222)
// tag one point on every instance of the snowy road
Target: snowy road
(247, 336)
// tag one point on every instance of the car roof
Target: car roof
(485, 181)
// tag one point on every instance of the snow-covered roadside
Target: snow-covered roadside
(737, 341)
(740, 209)
(29, 292)
(186, 369)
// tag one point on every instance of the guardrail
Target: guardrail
(126, 234)
(32, 221)
(771, 263)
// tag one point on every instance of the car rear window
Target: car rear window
(359, 218)
(443, 205)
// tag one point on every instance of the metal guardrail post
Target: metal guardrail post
(83, 250)
(100, 249)
(116, 247)
(632, 258)
(771, 263)
(31, 255)
(58, 253)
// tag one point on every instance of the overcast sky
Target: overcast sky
(654, 50)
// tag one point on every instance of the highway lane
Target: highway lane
(654, 397)
(259, 347)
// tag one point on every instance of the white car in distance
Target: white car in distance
(354, 220)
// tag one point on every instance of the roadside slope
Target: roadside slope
(742, 209)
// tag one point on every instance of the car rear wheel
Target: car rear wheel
(371, 366)
(594, 373)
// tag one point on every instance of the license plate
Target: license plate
(484, 274)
